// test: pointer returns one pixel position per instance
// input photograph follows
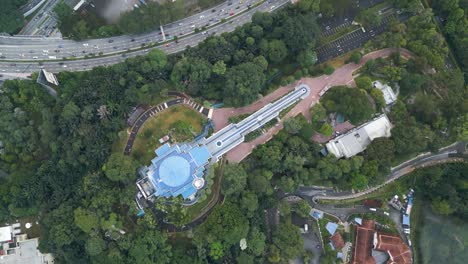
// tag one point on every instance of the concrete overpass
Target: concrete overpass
(234, 134)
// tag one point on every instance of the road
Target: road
(42, 20)
(18, 49)
(450, 153)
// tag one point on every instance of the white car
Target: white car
(272, 7)
(45, 51)
(202, 17)
(85, 44)
(65, 66)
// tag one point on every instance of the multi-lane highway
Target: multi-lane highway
(49, 51)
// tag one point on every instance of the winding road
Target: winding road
(456, 152)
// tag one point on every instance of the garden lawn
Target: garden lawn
(160, 125)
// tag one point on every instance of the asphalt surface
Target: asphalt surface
(42, 20)
(27, 48)
(331, 25)
(353, 40)
(314, 193)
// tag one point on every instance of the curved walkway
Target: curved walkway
(318, 85)
(181, 98)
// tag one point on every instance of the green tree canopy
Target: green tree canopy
(120, 167)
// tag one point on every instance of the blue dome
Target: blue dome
(174, 171)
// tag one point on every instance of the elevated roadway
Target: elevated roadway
(24, 49)
(232, 135)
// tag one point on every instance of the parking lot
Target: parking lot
(353, 40)
(333, 24)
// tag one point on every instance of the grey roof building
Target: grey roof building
(357, 139)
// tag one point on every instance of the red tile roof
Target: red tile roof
(363, 243)
(393, 245)
(337, 241)
(398, 251)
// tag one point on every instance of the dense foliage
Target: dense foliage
(445, 188)
(58, 151)
(11, 18)
(452, 13)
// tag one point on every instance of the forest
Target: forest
(61, 169)
(11, 18)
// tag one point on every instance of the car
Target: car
(96, 46)
(231, 14)
(45, 51)
(386, 213)
(167, 45)
(237, 7)
(272, 7)
(85, 44)
(192, 26)
(213, 10)
(110, 40)
(202, 17)
(230, 3)
(114, 47)
(2, 57)
(181, 24)
(204, 32)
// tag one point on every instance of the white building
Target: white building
(388, 94)
(357, 139)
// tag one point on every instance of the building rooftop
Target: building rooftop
(363, 243)
(398, 251)
(388, 94)
(337, 241)
(176, 170)
(5, 233)
(26, 252)
(331, 227)
(356, 140)
(370, 244)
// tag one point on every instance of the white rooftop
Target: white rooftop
(27, 252)
(388, 94)
(5, 233)
(357, 139)
(50, 77)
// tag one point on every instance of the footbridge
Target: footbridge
(233, 134)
